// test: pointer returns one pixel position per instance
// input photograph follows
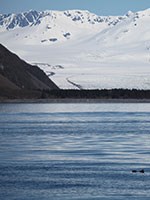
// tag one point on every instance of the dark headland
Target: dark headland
(22, 82)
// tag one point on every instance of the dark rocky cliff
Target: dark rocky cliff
(17, 74)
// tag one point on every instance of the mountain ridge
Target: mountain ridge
(33, 17)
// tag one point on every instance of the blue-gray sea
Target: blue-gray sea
(74, 151)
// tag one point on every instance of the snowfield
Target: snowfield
(80, 50)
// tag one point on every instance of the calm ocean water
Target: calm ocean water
(74, 151)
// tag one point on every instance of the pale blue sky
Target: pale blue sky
(100, 7)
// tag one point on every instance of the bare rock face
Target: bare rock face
(17, 74)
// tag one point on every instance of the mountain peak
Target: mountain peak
(129, 13)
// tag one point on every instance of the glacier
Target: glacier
(80, 50)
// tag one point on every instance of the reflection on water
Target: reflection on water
(74, 151)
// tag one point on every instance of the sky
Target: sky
(100, 7)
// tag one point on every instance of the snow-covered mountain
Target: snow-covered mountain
(79, 49)
(53, 26)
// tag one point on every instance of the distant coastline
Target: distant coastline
(74, 100)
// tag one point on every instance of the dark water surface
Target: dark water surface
(74, 151)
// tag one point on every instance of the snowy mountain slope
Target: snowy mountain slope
(78, 49)
(48, 27)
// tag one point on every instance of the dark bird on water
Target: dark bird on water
(135, 171)
(142, 171)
